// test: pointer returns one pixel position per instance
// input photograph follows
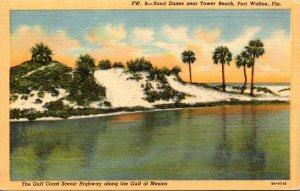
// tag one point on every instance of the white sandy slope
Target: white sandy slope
(121, 91)
(30, 102)
(200, 94)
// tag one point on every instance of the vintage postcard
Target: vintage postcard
(150, 95)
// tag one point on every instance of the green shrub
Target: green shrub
(135, 76)
(152, 96)
(176, 70)
(105, 65)
(166, 71)
(38, 101)
(54, 92)
(179, 96)
(31, 114)
(118, 65)
(83, 91)
(285, 89)
(50, 78)
(15, 114)
(263, 89)
(139, 65)
(107, 104)
(54, 105)
(41, 94)
(157, 75)
(13, 97)
(24, 97)
(167, 93)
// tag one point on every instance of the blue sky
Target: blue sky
(159, 35)
(78, 23)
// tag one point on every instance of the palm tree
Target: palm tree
(41, 53)
(85, 65)
(189, 57)
(255, 49)
(244, 60)
(222, 55)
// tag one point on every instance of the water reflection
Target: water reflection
(154, 122)
(56, 146)
(257, 157)
(199, 144)
(222, 157)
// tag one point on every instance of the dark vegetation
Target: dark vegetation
(220, 103)
(58, 110)
(105, 65)
(50, 77)
(163, 91)
(54, 76)
(43, 75)
(285, 89)
(83, 87)
(139, 65)
(118, 65)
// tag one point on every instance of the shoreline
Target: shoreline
(93, 116)
(162, 107)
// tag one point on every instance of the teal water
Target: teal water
(218, 143)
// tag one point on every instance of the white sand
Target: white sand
(29, 103)
(120, 91)
(200, 94)
(124, 92)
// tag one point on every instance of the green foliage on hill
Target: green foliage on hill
(50, 77)
(105, 65)
(41, 53)
(139, 65)
(83, 91)
(118, 65)
(83, 87)
(163, 91)
(31, 76)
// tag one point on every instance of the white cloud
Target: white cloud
(237, 45)
(59, 41)
(169, 47)
(265, 67)
(107, 35)
(203, 68)
(142, 35)
(176, 35)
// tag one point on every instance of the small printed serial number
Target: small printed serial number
(278, 183)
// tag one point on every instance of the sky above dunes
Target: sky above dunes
(159, 36)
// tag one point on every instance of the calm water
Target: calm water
(231, 142)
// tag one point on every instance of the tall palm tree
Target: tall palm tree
(224, 56)
(244, 60)
(85, 65)
(188, 56)
(255, 49)
(41, 53)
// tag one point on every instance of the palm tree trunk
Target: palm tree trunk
(190, 72)
(245, 83)
(252, 77)
(223, 78)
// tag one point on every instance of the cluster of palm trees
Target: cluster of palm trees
(222, 55)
